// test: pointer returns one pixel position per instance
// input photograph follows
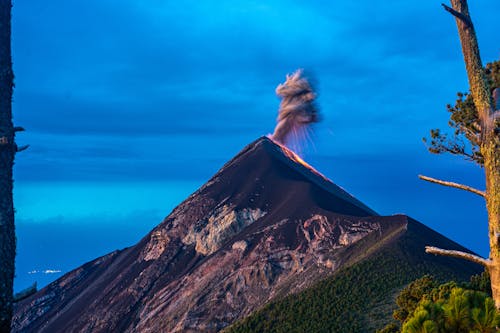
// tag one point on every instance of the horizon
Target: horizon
(127, 116)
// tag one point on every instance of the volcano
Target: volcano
(264, 227)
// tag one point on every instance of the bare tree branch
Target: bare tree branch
(464, 18)
(455, 185)
(19, 149)
(458, 254)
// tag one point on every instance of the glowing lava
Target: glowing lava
(297, 159)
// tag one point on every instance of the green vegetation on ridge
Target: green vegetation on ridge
(359, 298)
(426, 306)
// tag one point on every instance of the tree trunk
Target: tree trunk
(490, 145)
(491, 152)
(7, 152)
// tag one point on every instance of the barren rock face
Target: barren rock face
(242, 276)
(209, 234)
(263, 227)
(157, 244)
(240, 245)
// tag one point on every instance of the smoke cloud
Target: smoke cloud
(297, 108)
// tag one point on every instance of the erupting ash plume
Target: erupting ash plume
(297, 108)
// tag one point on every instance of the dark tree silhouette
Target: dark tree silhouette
(8, 150)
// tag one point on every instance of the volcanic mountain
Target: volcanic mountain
(265, 226)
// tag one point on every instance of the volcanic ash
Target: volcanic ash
(297, 109)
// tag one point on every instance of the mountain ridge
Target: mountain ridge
(266, 225)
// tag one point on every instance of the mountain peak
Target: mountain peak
(287, 157)
(264, 226)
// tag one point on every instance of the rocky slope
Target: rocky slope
(265, 226)
(360, 297)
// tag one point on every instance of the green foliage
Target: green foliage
(425, 319)
(480, 282)
(411, 295)
(462, 311)
(464, 121)
(429, 307)
(493, 74)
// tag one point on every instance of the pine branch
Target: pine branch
(458, 254)
(472, 134)
(452, 184)
(456, 150)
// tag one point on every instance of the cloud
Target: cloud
(161, 67)
(44, 271)
(172, 114)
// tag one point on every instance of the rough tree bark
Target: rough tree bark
(489, 143)
(7, 152)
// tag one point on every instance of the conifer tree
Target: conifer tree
(8, 149)
(481, 129)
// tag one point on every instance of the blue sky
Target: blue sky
(131, 105)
